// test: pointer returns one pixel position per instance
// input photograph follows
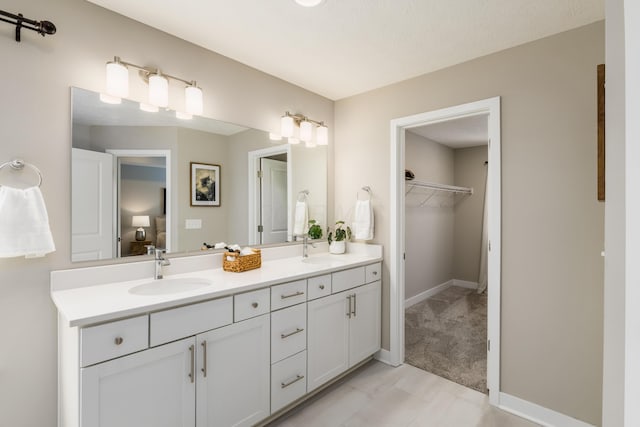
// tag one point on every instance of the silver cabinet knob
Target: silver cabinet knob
(321, 286)
(118, 340)
(375, 273)
(254, 304)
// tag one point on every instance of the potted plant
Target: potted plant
(338, 238)
(315, 231)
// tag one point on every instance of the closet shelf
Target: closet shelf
(428, 190)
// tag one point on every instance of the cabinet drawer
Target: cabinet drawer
(250, 304)
(288, 294)
(373, 272)
(288, 332)
(114, 339)
(176, 323)
(318, 287)
(347, 279)
(288, 381)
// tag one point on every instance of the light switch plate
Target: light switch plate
(192, 224)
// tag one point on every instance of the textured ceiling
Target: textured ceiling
(345, 47)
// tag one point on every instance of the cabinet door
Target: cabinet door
(233, 374)
(150, 388)
(327, 338)
(364, 326)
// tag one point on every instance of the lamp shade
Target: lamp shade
(193, 100)
(306, 131)
(158, 90)
(322, 135)
(140, 221)
(286, 126)
(117, 80)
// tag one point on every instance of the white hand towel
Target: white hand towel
(363, 220)
(24, 223)
(301, 219)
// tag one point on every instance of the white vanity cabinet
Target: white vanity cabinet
(343, 328)
(150, 388)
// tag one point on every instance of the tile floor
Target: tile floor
(382, 396)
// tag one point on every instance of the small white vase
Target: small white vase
(338, 247)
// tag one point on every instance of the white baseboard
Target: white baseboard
(426, 294)
(465, 284)
(537, 414)
(383, 356)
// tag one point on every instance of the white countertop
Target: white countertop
(89, 304)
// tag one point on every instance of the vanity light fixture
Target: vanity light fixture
(118, 86)
(307, 126)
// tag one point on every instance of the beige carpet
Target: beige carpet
(447, 334)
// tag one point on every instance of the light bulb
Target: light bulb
(286, 126)
(322, 135)
(306, 131)
(117, 79)
(193, 100)
(158, 90)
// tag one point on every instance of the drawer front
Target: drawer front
(288, 381)
(318, 287)
(114, 339)
(251, 304)
(373, 272)
(347, 279)
(288, 332)
(177, 323)
(288, 294)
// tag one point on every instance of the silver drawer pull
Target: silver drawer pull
(254, 304)
(375, 273)
(321, 286)
(292, 295)
(118, 340)
(192, 351)
(293, 381)
(297, 331)
(204, 358)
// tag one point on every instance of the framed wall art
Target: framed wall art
(205, 184)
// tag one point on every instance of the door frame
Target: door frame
(490, 107)
(253, 206)
(168, 180)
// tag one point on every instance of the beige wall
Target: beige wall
(429, 228)
(470, 171)
(36, 125)
(552, 225)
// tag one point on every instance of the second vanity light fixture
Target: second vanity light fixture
(288, 123)
(118, 88)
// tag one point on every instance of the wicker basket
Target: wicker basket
(242, 263)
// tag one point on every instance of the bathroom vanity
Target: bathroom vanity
(204, 347)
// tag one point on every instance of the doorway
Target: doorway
(491, 109)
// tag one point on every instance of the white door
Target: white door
(149, 388)
(273, 201)
(327, 338)
(364, 326)
(92, 231)
(233, 383)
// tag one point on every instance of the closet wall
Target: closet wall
(442, 239)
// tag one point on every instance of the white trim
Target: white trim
(253, 194)
(172, 227)
(383, 356)
(491, 107)
(465, 284)
(428, 293)
(538, 414)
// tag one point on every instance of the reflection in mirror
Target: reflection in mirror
(127, 162)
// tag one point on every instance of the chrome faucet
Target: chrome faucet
(305, 246)
(160, 262)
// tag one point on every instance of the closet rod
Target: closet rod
(439, 187)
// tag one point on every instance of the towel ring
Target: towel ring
(302, 195)
(368, 191)
(19, 164)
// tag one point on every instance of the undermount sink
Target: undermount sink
(170, 286)
(325, 260)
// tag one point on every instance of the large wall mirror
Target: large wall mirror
(149, 178)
